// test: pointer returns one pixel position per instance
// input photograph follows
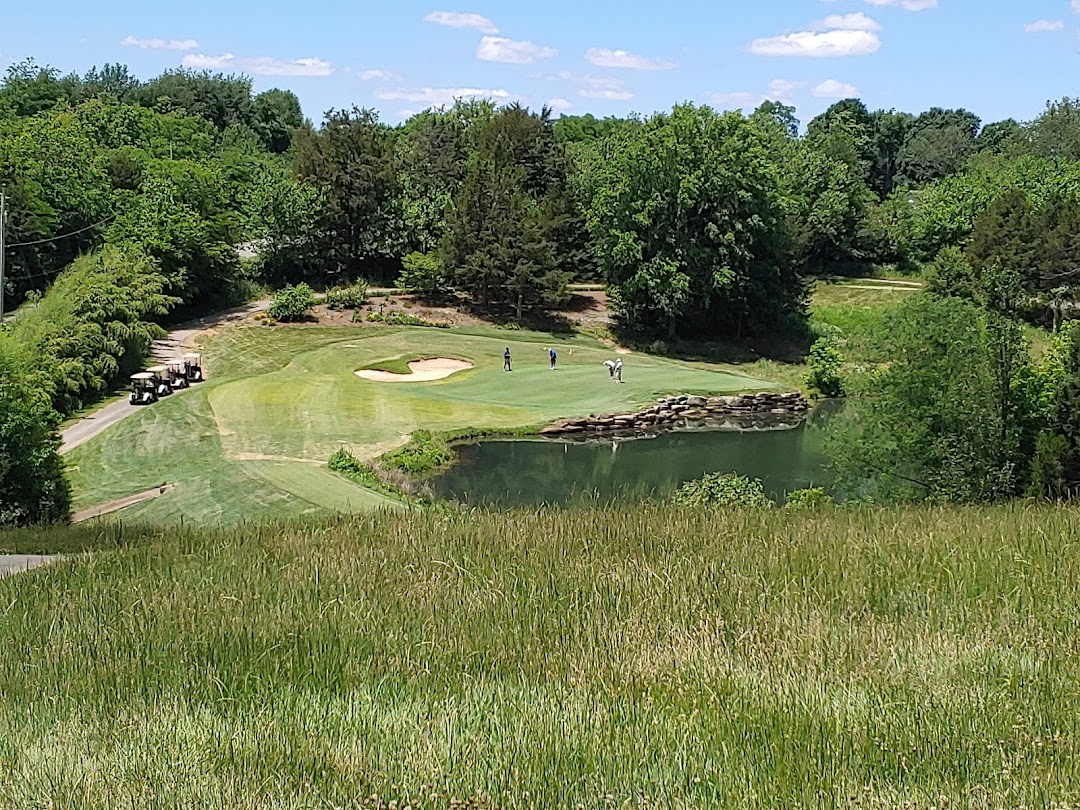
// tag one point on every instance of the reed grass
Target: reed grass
(642, 657)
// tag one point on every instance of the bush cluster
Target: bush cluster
(353, 296)
(293, 303)
(424, 454)
(724, 489)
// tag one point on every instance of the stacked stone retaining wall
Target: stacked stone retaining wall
(765, 410)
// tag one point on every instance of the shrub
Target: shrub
(351, 297)
(1049, 478)
(346, 464)
(422, 274)
(424, 453)
(809, 498)
(823, 374)
(394, 318)
(724, 489)
(292, 303)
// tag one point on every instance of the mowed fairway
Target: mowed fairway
(252, 442)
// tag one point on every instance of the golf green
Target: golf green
(252, 442)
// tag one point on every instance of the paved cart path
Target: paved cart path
(173, 344)
(17, 563)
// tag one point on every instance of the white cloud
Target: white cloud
(848, 22)
(734, 101)
(1044, 25)
(781, 89)
(559, 104)
(259, 65)
(912, 5)
(440, 96)
(608, 58)
(824, 44)
(605, 89)
(376, 74)
(778, 90)
(831, 88)
(512, 51)
(457, 19)
(160, 44)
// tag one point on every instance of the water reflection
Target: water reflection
(532, 472)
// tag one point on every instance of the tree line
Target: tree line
(129, 199)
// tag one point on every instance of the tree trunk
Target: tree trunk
(519, 301)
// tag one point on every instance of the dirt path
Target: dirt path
(121, 503)
(174, 343)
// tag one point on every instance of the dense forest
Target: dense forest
(128, 201)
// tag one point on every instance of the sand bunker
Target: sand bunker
(437, 368)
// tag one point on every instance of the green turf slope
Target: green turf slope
(252, 442)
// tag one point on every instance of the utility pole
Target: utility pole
(3, 247)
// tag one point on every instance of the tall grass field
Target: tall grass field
(643, 657)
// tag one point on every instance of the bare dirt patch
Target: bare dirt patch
(588, 309)
(436, 368)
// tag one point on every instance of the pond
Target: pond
(530, 472)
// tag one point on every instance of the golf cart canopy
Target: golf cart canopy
(142, 376)
(193, 357)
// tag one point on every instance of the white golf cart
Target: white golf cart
(143, 389)
(177, 375)
(193, 367)
(161, 380)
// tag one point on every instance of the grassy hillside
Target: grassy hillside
(646, 657)
(251, 442)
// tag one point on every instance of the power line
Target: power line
(64, 235)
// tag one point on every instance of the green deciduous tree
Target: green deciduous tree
(1056, 133)
(938, 144)
(1056, 462)
(220, 99)
(889, 130)
(95, 322)
(180, 218)
(953, 415)
(275, 116)
(688, 217)
(32, 484)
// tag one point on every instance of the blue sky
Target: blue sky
(998, 58)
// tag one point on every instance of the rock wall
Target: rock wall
(766, 410)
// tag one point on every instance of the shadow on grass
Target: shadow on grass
(63, 539)
(789, 348)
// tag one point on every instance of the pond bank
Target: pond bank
(745, 411)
